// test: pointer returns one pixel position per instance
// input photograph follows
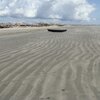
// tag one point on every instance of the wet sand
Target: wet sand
(39, 65)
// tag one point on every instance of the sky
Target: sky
(62, 11)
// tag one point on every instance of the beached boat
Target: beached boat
(57, 30)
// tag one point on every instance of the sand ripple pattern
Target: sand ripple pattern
(40, 65)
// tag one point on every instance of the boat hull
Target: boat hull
(57, 30)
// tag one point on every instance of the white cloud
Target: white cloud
(64, 9)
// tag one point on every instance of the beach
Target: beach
(39, 65)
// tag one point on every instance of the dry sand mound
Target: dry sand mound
(39, 65)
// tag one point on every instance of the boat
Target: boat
(57, 30)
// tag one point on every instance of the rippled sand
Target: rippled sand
(39, 65)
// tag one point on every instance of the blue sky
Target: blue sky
(67, 11)
(96, 13)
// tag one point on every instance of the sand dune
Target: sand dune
(39, 65)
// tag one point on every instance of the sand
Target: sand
(39, 65)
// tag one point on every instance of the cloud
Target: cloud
(63, 9)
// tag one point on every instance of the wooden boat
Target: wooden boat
(57, 30)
